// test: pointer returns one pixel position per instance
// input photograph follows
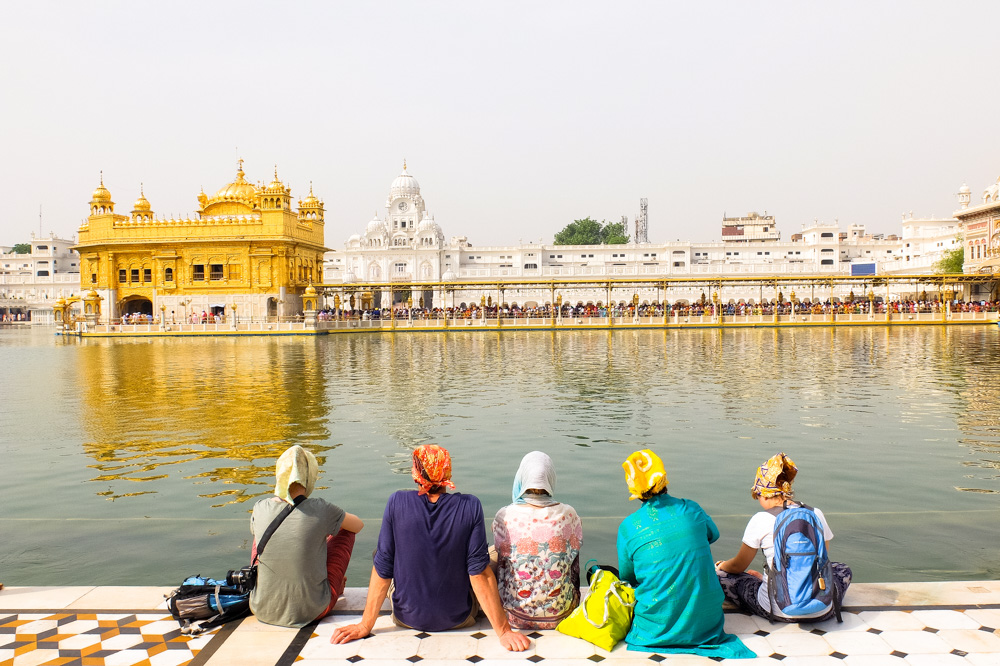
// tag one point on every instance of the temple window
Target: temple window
(147, 275)
(93, 278)
(122, 276)
(217, 272)
(133, 275)
(198, 272)
(168, 275)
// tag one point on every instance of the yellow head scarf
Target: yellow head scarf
(767, 484)
(644, 474)
(296, 465)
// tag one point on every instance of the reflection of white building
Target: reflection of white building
(35, 280)
(407, 245)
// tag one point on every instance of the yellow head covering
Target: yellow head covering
(767, 483)
(644, 474)
(296, 465)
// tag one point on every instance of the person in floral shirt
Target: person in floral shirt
(538, 549)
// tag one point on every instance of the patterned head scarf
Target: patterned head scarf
(431, 468)
(644, 474)
(536, 471)
(296, 465)
(767, 483)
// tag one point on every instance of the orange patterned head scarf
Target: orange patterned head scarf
(774, 478)
(431, 468)
(644, 474)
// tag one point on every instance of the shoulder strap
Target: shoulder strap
(274, 525)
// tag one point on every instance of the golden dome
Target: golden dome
(101, 194)
(276, 185)
(310, 290)
(238, 190)
(310, 201)
(142, 203)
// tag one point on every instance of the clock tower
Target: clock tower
(404, 206)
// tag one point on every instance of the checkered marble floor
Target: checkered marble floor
(894, 624)
(75, 638)
(893, 637)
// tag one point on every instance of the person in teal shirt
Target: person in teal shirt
(664, 553)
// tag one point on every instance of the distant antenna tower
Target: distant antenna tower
(642, 224)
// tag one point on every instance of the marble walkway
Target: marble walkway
(896, 624)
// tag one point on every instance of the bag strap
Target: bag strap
(274, 525)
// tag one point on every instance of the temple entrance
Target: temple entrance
(272, 307)
(137, 305)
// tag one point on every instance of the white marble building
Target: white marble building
(407, 245)
(33, 281)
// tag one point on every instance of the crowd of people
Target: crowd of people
(434, 564)
(14, 316)
(677, 309)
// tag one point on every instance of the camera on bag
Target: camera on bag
(244, 578)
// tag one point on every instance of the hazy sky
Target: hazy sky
(516, 118)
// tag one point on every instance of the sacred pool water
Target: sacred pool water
(137, 461)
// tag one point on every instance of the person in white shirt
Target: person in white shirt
(748, 588)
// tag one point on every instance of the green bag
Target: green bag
(604, 615)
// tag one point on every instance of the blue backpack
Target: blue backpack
(200, 604)
(800, 580)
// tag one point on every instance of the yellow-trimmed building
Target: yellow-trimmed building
(245, 252)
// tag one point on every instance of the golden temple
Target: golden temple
(245, 250)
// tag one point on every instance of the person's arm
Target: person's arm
(739, 563)
(378, 588)
(485, 586)
(352, 523)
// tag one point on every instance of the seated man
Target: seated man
(431, 550)
(300, 574)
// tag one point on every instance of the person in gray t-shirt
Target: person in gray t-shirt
(301, 573)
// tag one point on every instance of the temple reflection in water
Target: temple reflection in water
(218, 410)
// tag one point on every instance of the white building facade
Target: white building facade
(33, 281)
(407, 245)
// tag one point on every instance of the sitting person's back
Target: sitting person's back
(538, 545)
(301, 572)
(664, 553)
(445, 537)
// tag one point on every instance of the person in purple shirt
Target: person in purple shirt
(432, 559)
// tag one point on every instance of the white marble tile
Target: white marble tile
(871, 660)
(25, 598)
(36, 657)
(79, 641)
(122, 641)
(852, 622)
(857, 643)
(160, 627)
(124, 658)
(812, 661)
(561, 646)
(739, 624)
(935, 660)
(448, 646)
(37, 626)
(169, 658)
(799, 645)
(981, 659)
(389, 647)
(321, 648)
(915, 642)
(945, 619)
(490, 648)
(971, 640)
(891, 620)
(987, 617)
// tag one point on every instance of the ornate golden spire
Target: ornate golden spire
(239, 170)
(404, 164)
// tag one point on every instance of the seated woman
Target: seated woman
(747, 588)
(538, 544)
(664, 553)
(302, 570)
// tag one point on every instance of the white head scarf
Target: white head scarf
(296, 465)
(535, 471)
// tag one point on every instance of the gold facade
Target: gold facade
(246, 250)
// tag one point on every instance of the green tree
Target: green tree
(614, 234)
(952, 261)
(21, 248)
(591, 232)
